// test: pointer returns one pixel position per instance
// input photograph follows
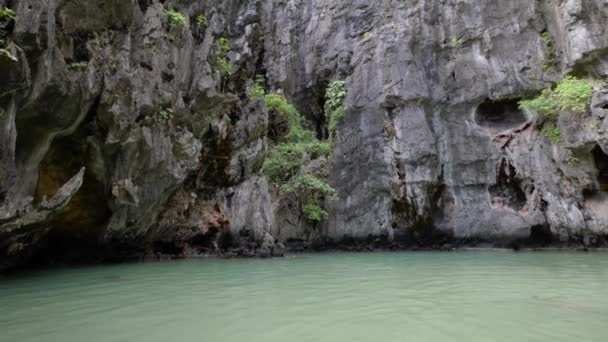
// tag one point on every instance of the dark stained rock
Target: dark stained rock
(433, 150)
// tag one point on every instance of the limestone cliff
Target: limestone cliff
(126, 129)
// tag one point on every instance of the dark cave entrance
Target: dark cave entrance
(601, 163)
(508, 190)
(500, 115)
(311, 105)
(75, 230)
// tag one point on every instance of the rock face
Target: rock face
(123, 118)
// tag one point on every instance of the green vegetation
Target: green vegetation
(176, 22)
(298, 146)
(285, 160)
(80, 66)
(455, 42)
(7, 14)
(570, 94)
(256, 89)
(315, 213)
(201, 20)
(283, 165)
(552, 133)
(367, 37)
(549, 65)
(335, 108)
(5, 52)
(176, 19)
(223, 64)
(166, 113)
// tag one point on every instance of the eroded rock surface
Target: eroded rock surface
(433, 149)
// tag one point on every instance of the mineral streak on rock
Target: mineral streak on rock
(433, 150)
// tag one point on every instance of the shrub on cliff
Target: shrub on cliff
(570, 94)
(7, 14)
(283, 167)
(222, 63)
(335, 108)
(176, 22)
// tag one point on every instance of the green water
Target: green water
(380, 297)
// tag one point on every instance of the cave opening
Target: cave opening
(541, 235)
(80, 52)
(167, 248)
(507, 192)
(601, 163)
(77, 227)
(311, 105)
(500, 115)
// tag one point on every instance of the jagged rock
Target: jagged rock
(433, 147)
(278, 250)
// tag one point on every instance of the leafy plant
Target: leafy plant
(570, 94)
(7, 14)
(549, 65)
(313, 192)
(5, 52)
(286, 110)
(315, 213)
(283, 167)
(175, 19)
(256, 89)
(574, 94)
(176, 22)
(309, 185)
(79, 66)
(221, 57)
(335, 108)
(552, 133)
(456, 42)
(201, 20)
(166, 114)
(285, 159)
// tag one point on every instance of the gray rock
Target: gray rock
(432, 148)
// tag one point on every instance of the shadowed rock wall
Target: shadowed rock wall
(433, 149)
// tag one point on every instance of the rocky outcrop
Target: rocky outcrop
(433, 148)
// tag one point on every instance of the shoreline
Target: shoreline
(35, 268)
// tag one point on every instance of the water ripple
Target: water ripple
(329, 297)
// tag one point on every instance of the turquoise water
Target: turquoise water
(383, 297)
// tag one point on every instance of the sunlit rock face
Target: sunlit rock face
(434, 149)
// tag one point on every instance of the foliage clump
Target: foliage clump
(223, 64)
(256, 89)
(175, 19)
(552, 133)
(7, 14)
(5, 52)
(176, 22)
(166, 114)
(283, 167)
(315, 213)
(201, 20)
(549, 65)
(335, 107)
(78, 66)
(570, 94)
